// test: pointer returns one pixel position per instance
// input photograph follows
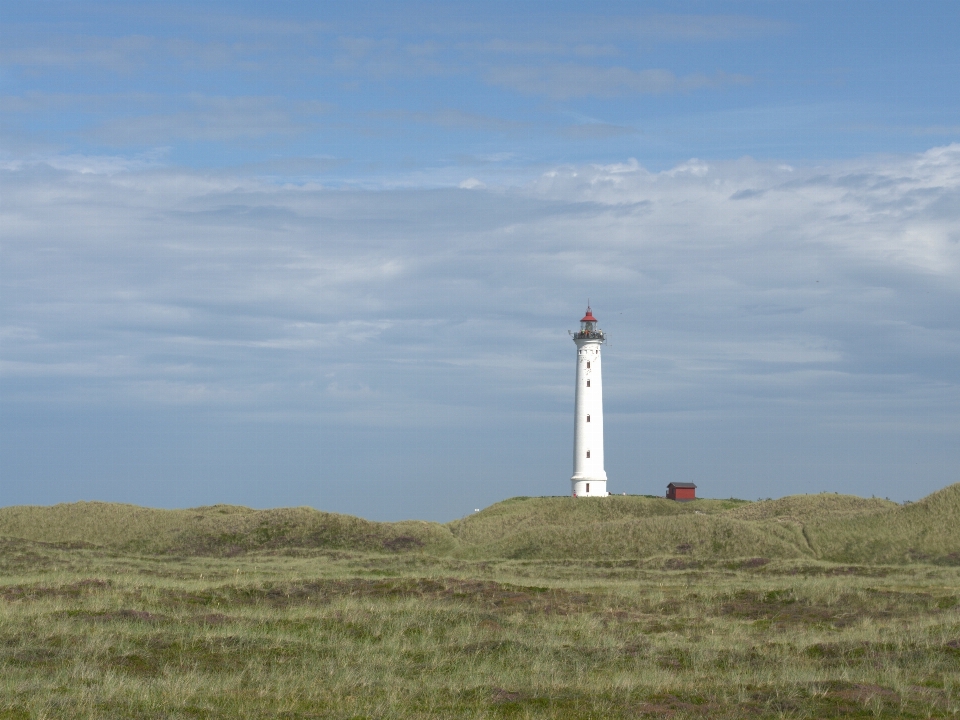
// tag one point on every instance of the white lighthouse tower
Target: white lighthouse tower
(589, 478)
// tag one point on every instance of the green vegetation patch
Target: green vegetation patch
(682, 535)
(214, 530)
(487, 593)
(924, 531)
(414, 636)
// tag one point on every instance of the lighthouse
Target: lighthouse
(589, 478)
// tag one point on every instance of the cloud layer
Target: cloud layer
(562, 82)
(796, 304)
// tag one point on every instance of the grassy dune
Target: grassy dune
(809, 508)
(525, 512)
(834, 527)
(926, 531)
(686, 534)
(214, 530)
(623, 607)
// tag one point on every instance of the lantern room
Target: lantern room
(588, 323)
(588, 328)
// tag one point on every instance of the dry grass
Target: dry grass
(835, 527)
(804, 607)
(214, 530)
(924, 531)
(86, 633)
(810, 508)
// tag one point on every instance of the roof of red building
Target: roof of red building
(682, 485)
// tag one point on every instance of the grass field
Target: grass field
(113, 611)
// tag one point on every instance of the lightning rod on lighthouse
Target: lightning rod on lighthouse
(589, 478)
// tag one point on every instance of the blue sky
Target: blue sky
(326, 254)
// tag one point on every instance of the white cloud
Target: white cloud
(518, 47)
(700, 27)
(733, 292)
(454, 118)
(562, 82)
(209, 118)
(589, 50)
(169, 255)
(117, 54)
(596, 131)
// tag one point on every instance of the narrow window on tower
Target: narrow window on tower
(588, 364)
(588, 453)
(588, 418)
(588, 487)
(588, 383)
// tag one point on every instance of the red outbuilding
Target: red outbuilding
(681, 491)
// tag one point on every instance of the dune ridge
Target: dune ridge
(831, 527)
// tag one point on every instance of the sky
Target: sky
(327, 254)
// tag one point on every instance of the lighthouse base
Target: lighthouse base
(589, 488)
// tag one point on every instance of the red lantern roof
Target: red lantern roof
(589, 316)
